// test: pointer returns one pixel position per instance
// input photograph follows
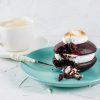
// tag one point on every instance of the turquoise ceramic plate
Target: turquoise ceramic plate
(46, 75)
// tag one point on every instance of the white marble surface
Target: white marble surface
(52, 19)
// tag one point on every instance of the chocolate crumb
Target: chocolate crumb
(72, 73)
(61, 76)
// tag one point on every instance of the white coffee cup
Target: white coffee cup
(16, 34)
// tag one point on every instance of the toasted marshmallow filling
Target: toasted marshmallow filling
(58, 57)
(68, 69)
(76, 37)
(77, 59)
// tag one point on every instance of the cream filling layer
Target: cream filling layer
(76, 58)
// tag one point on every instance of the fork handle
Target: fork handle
(19, 58)
(22, 58)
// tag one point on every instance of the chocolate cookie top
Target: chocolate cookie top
(83, 49)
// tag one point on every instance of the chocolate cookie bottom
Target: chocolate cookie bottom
(82, 66)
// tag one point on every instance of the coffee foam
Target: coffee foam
(17, 22)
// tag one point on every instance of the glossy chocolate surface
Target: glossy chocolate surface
(82, 49)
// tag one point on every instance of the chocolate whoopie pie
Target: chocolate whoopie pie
(74, 54)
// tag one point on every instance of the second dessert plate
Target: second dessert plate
(49, 75)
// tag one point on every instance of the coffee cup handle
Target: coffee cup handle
(1, 44)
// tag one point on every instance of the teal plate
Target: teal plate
(49, 75)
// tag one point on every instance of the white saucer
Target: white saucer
(38, 42)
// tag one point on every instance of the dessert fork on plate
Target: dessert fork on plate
(22, 58)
